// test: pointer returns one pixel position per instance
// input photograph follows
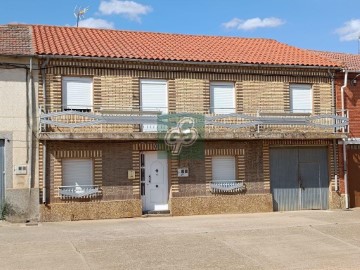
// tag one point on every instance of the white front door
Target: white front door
(156, 181)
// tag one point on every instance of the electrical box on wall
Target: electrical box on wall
(183, 172)
(131, 174)
(20, 169)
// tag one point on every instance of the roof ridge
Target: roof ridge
(146, 32)
(345, 53)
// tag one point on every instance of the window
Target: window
(222, 97)
(154, 97)
(223, 168)
(300, 98)
(77, 172)
(77, 93)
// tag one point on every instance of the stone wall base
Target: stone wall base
(336, 201)
(90, 210)
(186, 206)
(23, 204)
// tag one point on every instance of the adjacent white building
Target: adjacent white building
(19, 195)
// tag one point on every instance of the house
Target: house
(133, 122)
(348, 93)
(254, 118)
(19, 196)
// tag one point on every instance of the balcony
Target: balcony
(132, 124)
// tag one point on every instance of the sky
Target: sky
(326, 25)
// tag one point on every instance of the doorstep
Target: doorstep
(162, 213)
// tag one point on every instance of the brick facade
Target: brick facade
(116, 85)
(116, 158)
(111, 163)
(351, 103)
(113, 160)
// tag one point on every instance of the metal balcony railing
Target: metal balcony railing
(227, 186)
(79, 191)
(149, 119)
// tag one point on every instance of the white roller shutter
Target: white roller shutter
(301, 98)
(77, 172)
(77, 93)
(223, 168)
(154, 96)
(222, 96)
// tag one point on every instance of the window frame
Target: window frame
(64, 99)
(291, 85)
(164, 82)
(92, 180)
(223, 156)
(212, 99)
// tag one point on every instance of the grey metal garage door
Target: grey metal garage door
(2, 171)
(299, 178)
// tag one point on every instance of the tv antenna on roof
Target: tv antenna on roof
(79, 13)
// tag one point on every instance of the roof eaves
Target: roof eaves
(64, 56)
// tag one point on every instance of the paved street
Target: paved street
(291, 240)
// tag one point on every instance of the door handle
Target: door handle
(149, 178)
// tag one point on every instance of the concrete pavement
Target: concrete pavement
(288, 240)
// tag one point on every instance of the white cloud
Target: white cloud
(350, 30)
(130, 9)
(96, 23)
(234, 23)
(253, 23)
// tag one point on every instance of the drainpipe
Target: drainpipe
(333, 111)
(30, 163)
(335, 165)
(345, 142)
(345, 175)
(30, 134)
(43, 74)
(44, 174)
(342, 94)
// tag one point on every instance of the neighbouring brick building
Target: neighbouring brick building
(263, 116)
(347, 98)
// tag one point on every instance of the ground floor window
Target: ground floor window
(77, 172)
(223, 168)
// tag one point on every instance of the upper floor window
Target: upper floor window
(222, 97)
(301, 98)
(77, 93)
(153, 98)
(154, 95)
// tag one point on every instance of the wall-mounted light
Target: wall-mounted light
(353, 82)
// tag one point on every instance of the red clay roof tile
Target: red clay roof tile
(349, 61)
(86, 42)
